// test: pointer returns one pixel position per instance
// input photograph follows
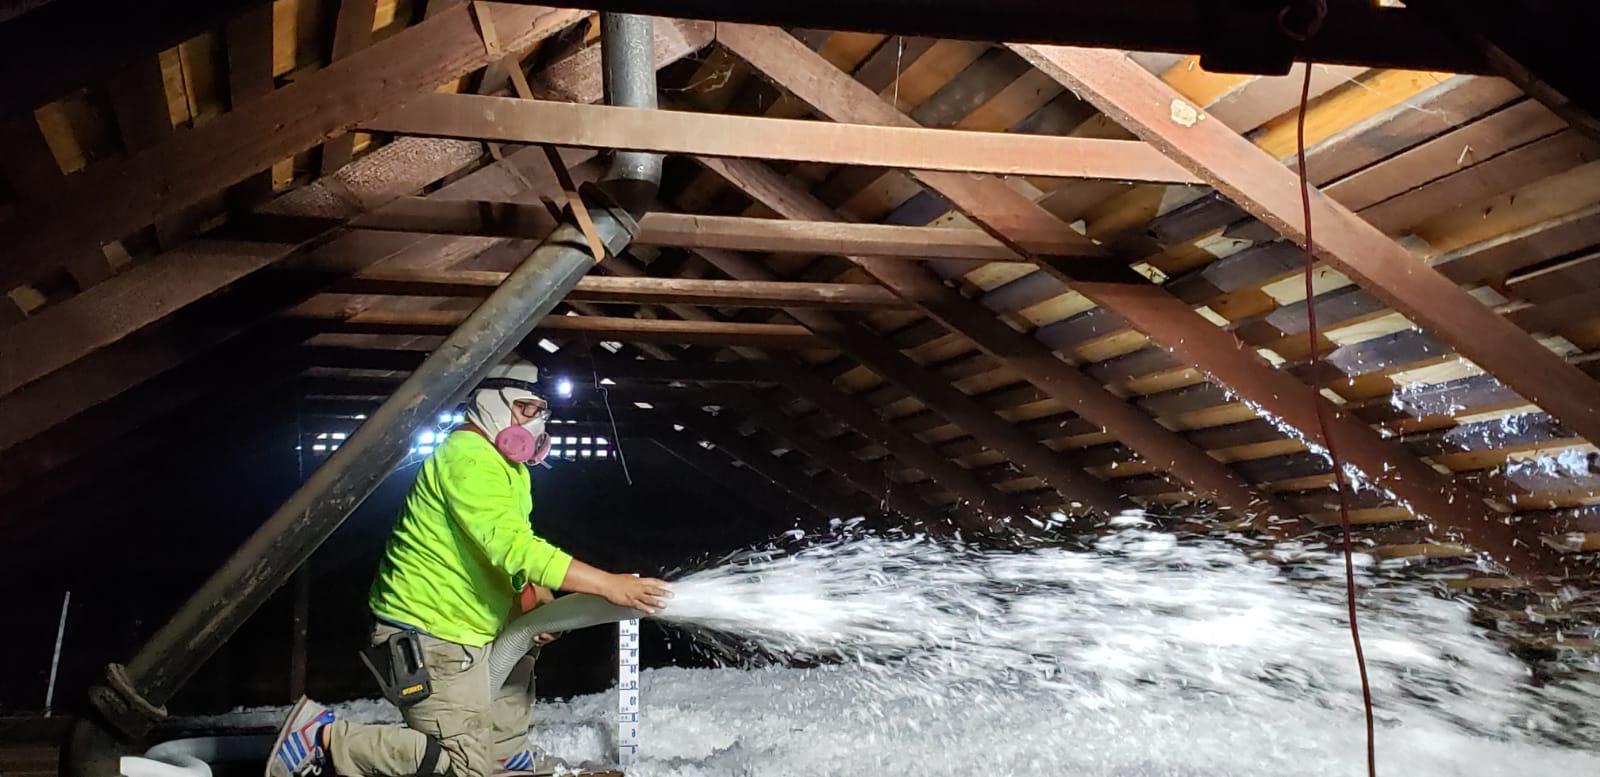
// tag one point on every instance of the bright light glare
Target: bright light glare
(564, 387)
(549, 346)
(424, 449)
(425, 438)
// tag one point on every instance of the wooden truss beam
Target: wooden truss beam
(155, 288)
(1165, 448)
(76, 43)
(1261, 185)
(1244, 35)
(910, 451)
(1015, 220)
(115, 197)
(977, 505)
(511, 120)
(352, 32)
(159, 287)
(866, 477)
(563, 328)
(607, 289)
(735, 233)
(582, 368)
(247, 39)
(1076, 487)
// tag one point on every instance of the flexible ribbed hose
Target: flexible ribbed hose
(565, 614)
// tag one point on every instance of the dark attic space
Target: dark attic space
(687, 388)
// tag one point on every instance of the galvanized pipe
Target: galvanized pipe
(335, 489)
(627, 66)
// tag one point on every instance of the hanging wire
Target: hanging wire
(1317, 14)
(616, 438)
(605, 396)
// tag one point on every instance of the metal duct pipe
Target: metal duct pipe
(627, 64)
(133, 697)
(332, 492)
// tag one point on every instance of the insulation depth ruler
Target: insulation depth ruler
(627, 692)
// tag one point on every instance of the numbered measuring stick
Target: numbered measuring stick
(627, 692)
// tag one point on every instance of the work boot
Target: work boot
(530, 760)
(298, 751)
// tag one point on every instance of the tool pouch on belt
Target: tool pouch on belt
(396, 663)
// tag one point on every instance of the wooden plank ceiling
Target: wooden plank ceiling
(944, 280)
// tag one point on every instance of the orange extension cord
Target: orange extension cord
(1319, 11)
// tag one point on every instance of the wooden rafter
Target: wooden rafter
(107, 314)
(859, 416)
(1269, 191)
(352, 32)
(586, 365)
(1038, 365)
(507, 119)
(160, 286)
(116, 197)
(138, 98)
(1076, 487)
(600, 288)
(563, 328)
(735, 233)
(248, 38)
(1357, 31)
(864, 476)
(978, 504)
(1016, 220)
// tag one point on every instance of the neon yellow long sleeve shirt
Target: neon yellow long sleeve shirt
(462, 548)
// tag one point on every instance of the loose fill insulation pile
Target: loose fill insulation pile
(1150, 655)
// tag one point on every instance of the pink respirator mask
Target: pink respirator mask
(519, 444)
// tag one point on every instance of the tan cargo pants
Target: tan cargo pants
(476, 726)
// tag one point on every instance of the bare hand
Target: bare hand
(645, 594)
(546, 638)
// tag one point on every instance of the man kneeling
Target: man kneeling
(461, 553)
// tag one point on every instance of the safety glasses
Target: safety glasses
(534, 409)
